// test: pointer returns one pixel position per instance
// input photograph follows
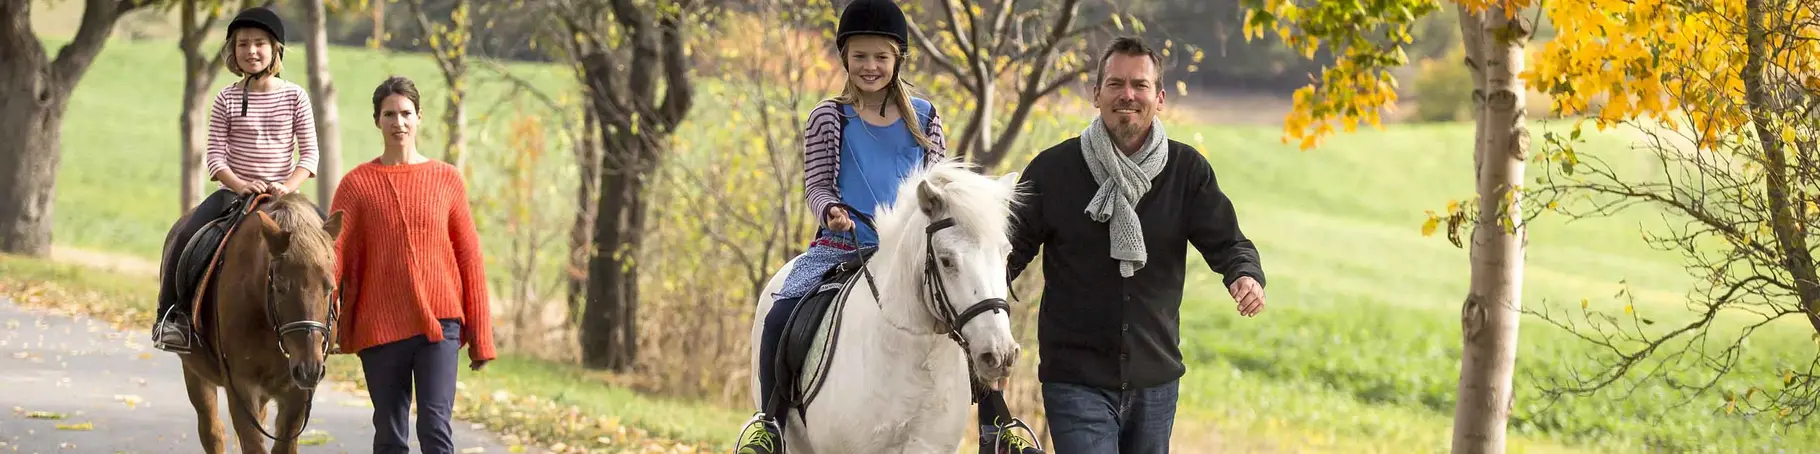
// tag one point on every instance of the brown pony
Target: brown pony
(264, 323)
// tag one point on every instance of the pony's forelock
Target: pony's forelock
(309, 243)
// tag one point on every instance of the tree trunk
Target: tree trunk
(609, 334)
(1784, 222)
(198, 74)
(1490, 315)
(581, 235)
(28, 168)
(322, 101)
(34, 94)
(378, 39)
(455, 118)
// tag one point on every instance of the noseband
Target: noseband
(305, 326)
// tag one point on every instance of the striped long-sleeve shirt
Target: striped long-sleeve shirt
(275, 134)
(821, 151)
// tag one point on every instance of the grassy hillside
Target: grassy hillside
(1357, 351)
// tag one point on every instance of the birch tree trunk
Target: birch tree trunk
(1489, 318)
(322, 102)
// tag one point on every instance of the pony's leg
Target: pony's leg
(209, 430)
(291, 417)
(251, 411)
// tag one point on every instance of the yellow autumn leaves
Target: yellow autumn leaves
(1657, 59)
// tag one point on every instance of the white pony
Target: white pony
(897, 382)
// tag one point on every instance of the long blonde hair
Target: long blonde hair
(898, 92)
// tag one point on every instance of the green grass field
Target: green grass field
(1357, 351)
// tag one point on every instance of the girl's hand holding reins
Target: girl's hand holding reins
(278, 189)
(252, 187)
(838, 220)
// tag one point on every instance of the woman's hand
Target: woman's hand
(476, 365)
(838, 220)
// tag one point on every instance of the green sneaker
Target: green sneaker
(759, 437)
(1004, 440)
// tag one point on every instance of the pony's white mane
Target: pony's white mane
(979, 204)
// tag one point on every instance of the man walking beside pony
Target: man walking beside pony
(1114, 211)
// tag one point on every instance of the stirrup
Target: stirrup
(164, 325)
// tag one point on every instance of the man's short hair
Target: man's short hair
(1132, 46)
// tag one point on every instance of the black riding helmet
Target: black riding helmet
(261, 17)
(874, 17)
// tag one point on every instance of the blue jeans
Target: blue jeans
(392, 369)
(1085, 419)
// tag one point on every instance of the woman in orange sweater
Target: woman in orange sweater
(415, 286)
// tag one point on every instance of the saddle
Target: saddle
(201, 257)
(808, 343)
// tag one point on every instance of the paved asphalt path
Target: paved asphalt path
(133, 395)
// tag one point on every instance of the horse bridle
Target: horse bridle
(937, 292)
(948, 321)
(306, 326)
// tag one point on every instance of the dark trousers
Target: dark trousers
(392, 369)
(208, 210)
(767, 353)
(1088, 419)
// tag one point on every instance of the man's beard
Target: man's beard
(1127, 130)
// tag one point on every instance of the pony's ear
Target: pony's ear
(333, 224)
(929, 198)
(276, 239)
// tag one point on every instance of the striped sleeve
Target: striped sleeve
(216, 157)
(305, 131)
(821, 158)
(935, 134)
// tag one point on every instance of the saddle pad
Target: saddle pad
(821, 344)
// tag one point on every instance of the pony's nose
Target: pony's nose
(306, 375)
(997, 360)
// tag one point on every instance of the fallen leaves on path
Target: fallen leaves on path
(82, 427)
(314, 438)
(520, 421)
(131, 401)
(45, 415)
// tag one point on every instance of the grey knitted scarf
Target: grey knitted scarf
(1123, 181)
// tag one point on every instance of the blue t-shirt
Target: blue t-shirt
(874, 161)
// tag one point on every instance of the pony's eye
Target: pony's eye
(947, 262)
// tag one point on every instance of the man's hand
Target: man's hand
(478, 364)
(1248, 295)
(838, 220)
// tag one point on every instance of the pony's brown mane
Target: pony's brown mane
(309, 243)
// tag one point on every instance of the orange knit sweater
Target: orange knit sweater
(409, 255)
